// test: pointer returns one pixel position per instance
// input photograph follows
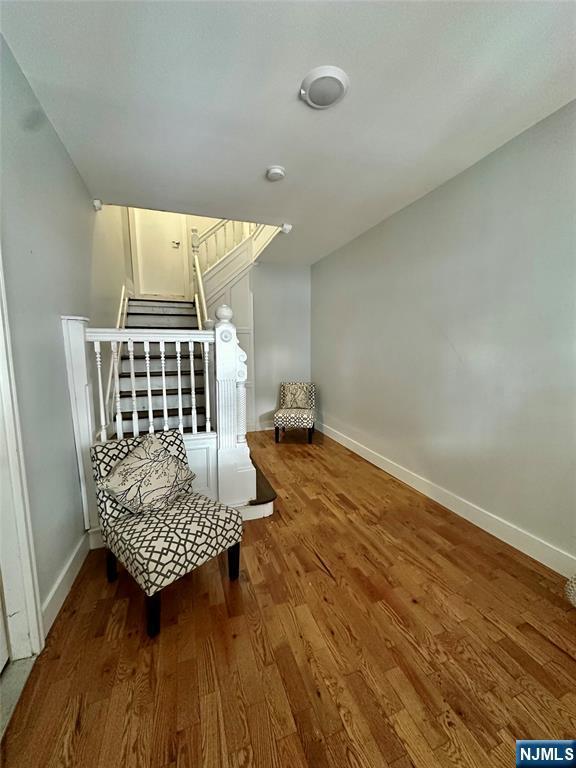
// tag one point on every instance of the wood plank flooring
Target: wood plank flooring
(369, 627)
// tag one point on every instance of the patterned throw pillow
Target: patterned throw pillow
(296, 396)
(150, 478)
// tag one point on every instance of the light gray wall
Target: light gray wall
(47, 222)
(111, 264)
(281, 333)
(444, 338)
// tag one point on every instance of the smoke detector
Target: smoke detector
(275, 173)
(324, 86)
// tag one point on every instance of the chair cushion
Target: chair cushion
(158, 548)
(294, 417)
(149, 478)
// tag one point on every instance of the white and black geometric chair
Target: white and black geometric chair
(159, 547)
(297, 408)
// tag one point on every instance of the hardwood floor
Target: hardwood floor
(369, 627)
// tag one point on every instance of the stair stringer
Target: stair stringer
(237, 260)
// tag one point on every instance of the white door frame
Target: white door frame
(17, 558)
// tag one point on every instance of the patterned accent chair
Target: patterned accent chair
(571, 590)
(297, 408)
(159, 547)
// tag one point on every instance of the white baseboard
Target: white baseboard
(550, 555)
(59, 592)
(264, 427)
(95, 538)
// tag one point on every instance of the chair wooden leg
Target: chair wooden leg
(277, 434)
(111, 566)
(153, 614)
(310, 433)
(234, 562)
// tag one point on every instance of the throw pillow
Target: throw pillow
(150, 478)
(296, 396)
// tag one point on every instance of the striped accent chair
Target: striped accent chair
(297, 408)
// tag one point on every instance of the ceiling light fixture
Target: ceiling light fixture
(275, 173)
(324, 86)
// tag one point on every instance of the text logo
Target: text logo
(550, 752)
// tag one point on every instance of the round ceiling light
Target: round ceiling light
(324, 86)
(275, 173)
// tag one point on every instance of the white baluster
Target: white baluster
(207, 384)
(97, 352)
(193, 388)
(213, 252)
(164, 399)
(149, 387)
(135, 428)
(178, 368)
(119, 429)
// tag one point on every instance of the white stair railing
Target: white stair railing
(199, 297)
(217, 241)
(222, 363)
(154, 346)
(120, 323)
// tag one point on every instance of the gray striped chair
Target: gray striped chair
(159, 545)
(297, 408)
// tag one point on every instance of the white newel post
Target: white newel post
(79, 387)
(236, 473)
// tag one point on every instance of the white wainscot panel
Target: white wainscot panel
(241, 301)
(202, 458)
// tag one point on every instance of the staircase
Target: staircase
(175, 376)
(145, 314)
(226, 249)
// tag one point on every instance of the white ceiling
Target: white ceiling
(182, 105)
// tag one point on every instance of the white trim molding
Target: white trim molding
(549, 554)
(17, 556)
(63, 584)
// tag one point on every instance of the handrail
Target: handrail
(120, 323)
(199, 316)
(148, 334)
(201, 308)
(212, 230)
